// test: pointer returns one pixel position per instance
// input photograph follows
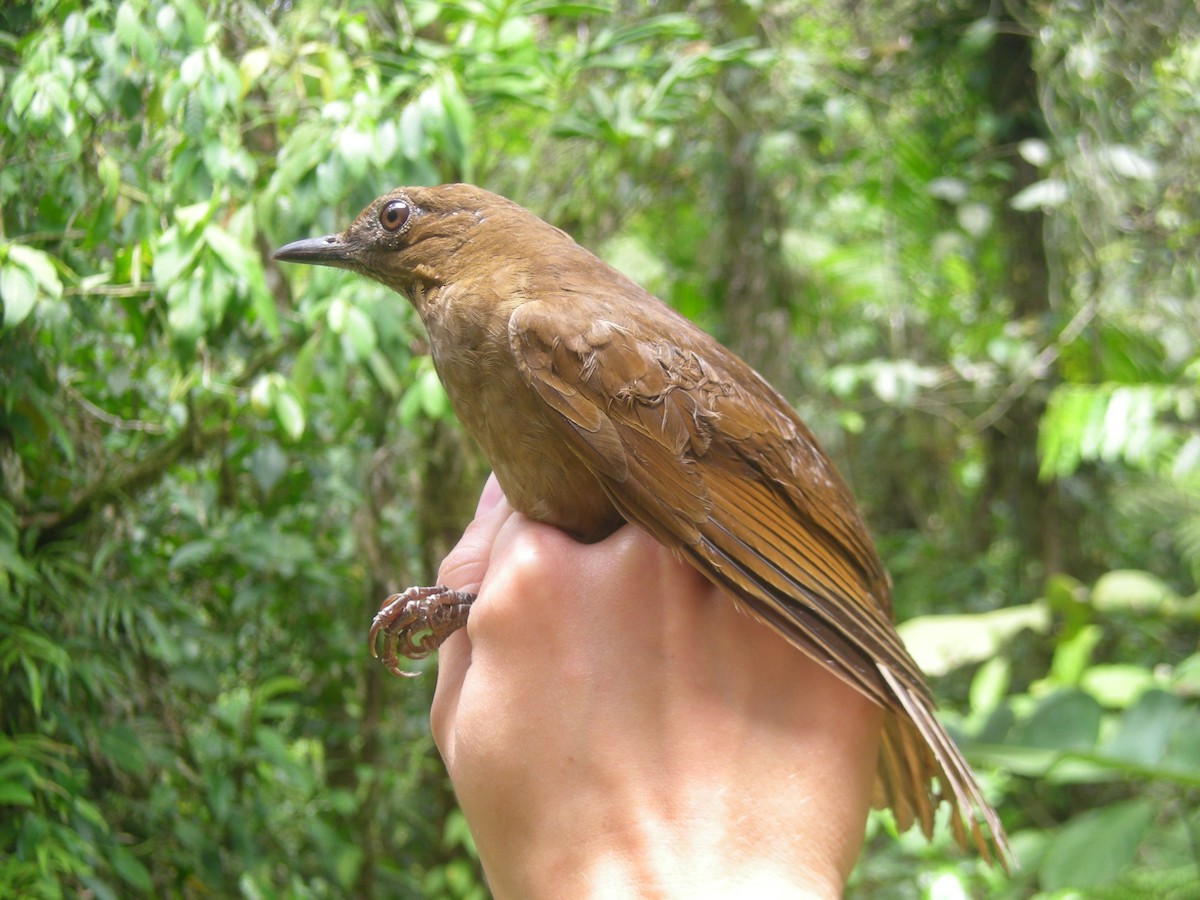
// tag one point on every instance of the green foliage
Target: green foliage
(212, 470)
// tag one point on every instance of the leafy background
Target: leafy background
(960, 235)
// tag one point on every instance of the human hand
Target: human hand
(613, 726)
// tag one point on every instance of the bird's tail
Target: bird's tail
(916, 750)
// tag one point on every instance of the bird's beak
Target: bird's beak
(330, 250)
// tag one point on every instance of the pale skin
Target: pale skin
(614, 727)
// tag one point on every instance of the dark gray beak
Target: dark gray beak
(322, 251)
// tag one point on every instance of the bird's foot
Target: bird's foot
(415, 622)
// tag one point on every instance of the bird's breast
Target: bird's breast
(540, 474)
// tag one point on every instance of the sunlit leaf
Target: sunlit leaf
(18, 292)
(1034, 151)
(1116, 686)
(289, 412)
(991, 683)
(1132, 590)
(1128, 162)
(253, 65)
(358, 333)
(262, 395)
(1046, 194)
(1074, 653)
(174, 254)
(940, 644)
(39, 265)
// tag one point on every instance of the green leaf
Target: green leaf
(1117, 686)
(191, 217)
(277, 685)
(356, 149)
(12, 562)
(553, 8)
(304, 365)
(990, 684)
(415, 142)
(940, 644)
(191, 554)
(232, 254)
(458, 123)
(434, 402)
(192, 68)
(1065, 720)
(381, 368)
(253, 66)
(289, 412)
(425, 397)
(40, 266)
(1144, 730)
(185, 311)
(130, 869)
(1185, 680)
(1073, 655)
(979, 35)
(273, 746)
(456, 834)
(18, 293)
(109, 171)
(13, 794)
(121, 745)
(1127, 162)
(267, 464)
(23, 88)
(339, 310)
(358, 335)
(127, 26)
(1046, 194)
(174, 253)
(1095, 847)
(263, 393)
(1128, 589)
(1183, 751)
(36, 689)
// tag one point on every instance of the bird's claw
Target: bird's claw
(415, 622)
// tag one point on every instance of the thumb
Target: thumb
(491, 496)
(464, 566)
(463, 570)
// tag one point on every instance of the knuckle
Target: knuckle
(534, 556)
(521, 577)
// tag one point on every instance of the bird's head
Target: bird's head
(419, 237)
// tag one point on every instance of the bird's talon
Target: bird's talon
(415, 622)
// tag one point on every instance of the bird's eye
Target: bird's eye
(393, 215)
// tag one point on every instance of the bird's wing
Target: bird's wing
(693, 446)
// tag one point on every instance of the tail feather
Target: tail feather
(915, 749)
(902, 781)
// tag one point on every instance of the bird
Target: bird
(596, 404)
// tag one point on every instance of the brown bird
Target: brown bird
(596, 404)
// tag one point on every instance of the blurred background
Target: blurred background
(961, 236)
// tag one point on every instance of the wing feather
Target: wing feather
(715, 465)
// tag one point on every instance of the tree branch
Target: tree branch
(191, 441)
